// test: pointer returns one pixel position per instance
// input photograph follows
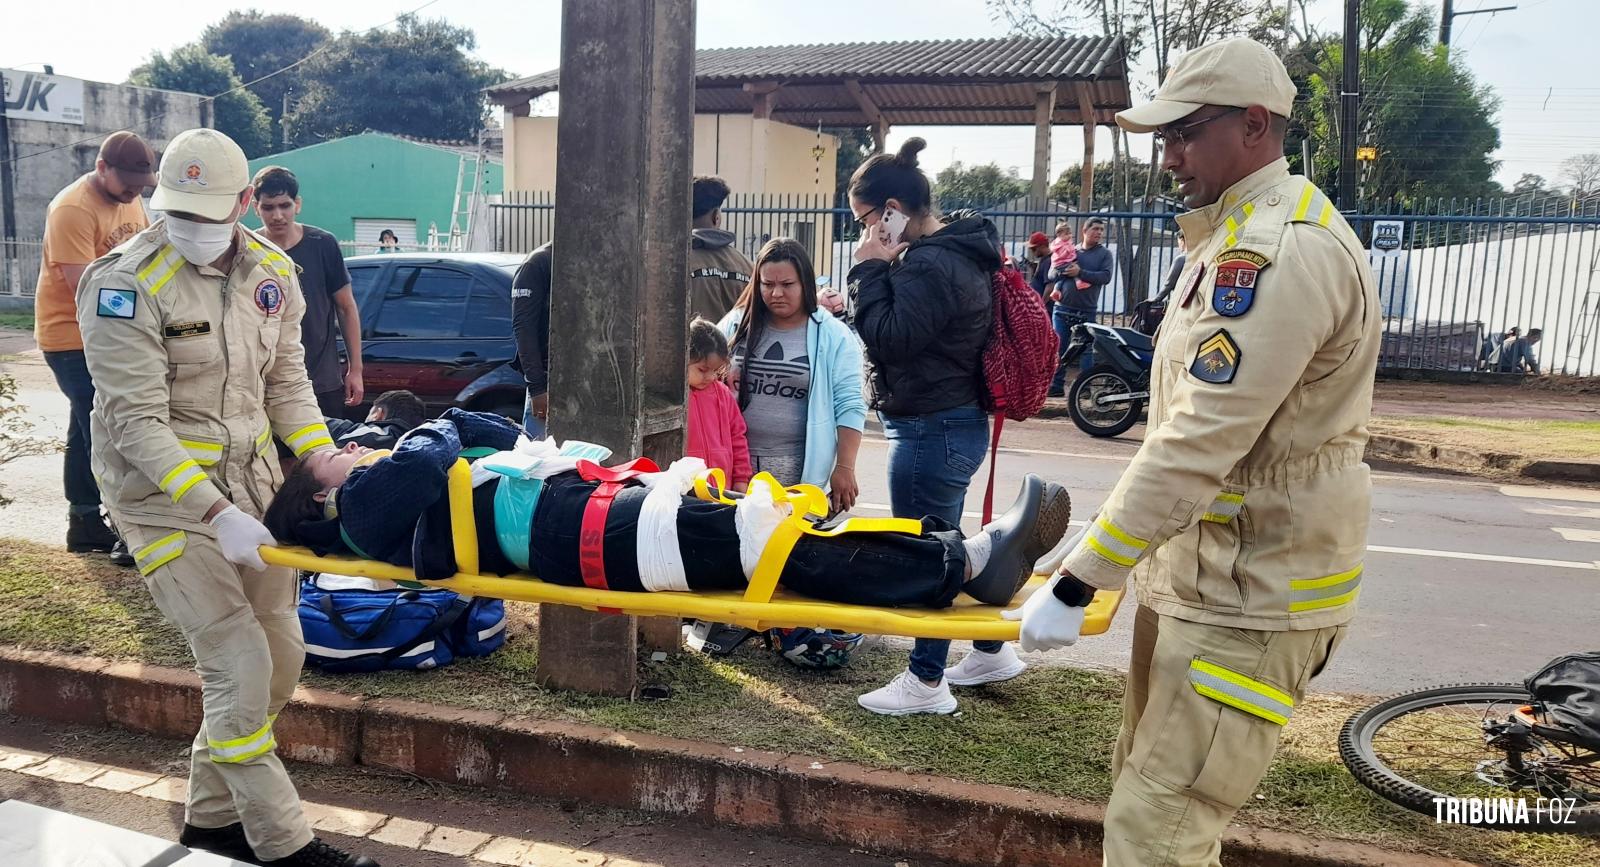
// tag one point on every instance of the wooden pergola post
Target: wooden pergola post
(1044, 111)
(618, 334)
(1086, 110)
(874, 115)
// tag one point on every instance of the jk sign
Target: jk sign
(36, 96)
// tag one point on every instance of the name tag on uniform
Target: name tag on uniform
(117, 303)
(186, 329)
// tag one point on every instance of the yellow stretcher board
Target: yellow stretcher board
(966, 619)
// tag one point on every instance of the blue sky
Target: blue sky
(1538, 58)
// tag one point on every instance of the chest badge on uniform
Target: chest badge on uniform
(269, 297)
(186, 329)
(117, 303)
(1217, 360)
(1238, 271)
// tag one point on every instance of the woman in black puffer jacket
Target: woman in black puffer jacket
(921, 301)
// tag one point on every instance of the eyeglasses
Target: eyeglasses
(862, 220)
(1180, 136)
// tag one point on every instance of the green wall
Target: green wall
(373, 175)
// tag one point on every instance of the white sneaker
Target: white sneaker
(907, 694)
(980, 667)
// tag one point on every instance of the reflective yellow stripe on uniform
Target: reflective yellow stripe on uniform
(1235, 225)
(243, 749)
(1308, 594)
(1313, 207)
(1114, 544)
(1224, 508)
(183, 477)
(160, 552)
(263, 440)
(278, 263)
(160, 270)
(205, 454)
(307, 438)
(1235, 690)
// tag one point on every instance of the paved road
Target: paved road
(1465, 580)
(405, 822)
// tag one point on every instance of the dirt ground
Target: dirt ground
(1552, 398)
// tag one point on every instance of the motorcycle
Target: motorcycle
(1107, 399)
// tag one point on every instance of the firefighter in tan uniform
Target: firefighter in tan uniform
(192, 331)
(1243, 518)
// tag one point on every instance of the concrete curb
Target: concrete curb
(839, 803)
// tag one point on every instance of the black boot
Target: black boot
(320, 854)
(1036, 521)
(89, 532)
(120, 555)
(227, 841)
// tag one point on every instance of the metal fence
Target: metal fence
(1450, 274)
(19, 266)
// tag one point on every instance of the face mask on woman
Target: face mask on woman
(200, 243)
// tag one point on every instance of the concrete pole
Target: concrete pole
(619, 333)
(1044, 110)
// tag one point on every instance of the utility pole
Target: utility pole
(1450, 14)
(1349, 105)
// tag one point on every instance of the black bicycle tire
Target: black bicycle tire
(1135, 408)
(1355, 750)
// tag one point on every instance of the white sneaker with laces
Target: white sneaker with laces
(980, 667)
(907, 694)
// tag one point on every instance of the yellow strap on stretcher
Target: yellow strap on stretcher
(966, 619)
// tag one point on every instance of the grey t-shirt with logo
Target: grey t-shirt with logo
(778, 379)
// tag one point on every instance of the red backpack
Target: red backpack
(1019, 359)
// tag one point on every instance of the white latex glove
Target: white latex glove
(1047, 622)
(1050, 563)
(241, 536)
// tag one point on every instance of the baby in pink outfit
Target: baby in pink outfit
(1062, 254)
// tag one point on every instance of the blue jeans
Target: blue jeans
(532, 426)
(932, 459)
(1064, 320)
(72, 377)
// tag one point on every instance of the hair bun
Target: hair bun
(907, 155)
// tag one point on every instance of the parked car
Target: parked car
(439, 325)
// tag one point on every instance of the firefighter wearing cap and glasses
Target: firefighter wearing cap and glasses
(191, 332)
(1243, 518)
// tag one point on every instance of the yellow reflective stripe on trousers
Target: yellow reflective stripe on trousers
(1330, 591)
(205, 454)
(183, 477)
(1238, 691)
(1114, 544)
(1224, 508)
(263, 440)
(243, 749)
(307, 438)
(160, 552)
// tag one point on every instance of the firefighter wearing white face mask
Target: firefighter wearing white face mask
(192, 333)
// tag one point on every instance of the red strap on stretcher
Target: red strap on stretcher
(592, 532)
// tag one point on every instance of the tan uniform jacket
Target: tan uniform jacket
(1247, 505)
(194, 371)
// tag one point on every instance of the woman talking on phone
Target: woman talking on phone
(920, 299)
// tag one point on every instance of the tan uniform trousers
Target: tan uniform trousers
(1185, 763)
(244, 630)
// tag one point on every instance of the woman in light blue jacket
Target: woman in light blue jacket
(797, 374)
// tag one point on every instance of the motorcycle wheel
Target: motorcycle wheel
(1102, 421)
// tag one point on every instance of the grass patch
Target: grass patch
(1534, 438)
(17, 320)
(1050, 731)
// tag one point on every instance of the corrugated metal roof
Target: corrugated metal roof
(934, 81)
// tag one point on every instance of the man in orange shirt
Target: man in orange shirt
(84, 222)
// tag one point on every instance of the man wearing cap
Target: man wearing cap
(1243, 518)
(192, 332)
(92, 215)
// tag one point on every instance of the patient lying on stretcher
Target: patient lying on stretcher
(556, 514)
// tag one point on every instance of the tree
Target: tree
(1582, 174)
(416, 79)
(1067, 186)
(1432, 124)
(238, 113)
(855, 147)
(979, 186)
(259, 45)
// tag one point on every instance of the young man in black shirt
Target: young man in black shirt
(326, 285)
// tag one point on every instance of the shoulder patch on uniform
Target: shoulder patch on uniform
(1217, 359)
(117, 303)
(269, 296)
(1238, 271)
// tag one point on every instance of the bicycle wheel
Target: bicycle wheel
(1436, 743)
